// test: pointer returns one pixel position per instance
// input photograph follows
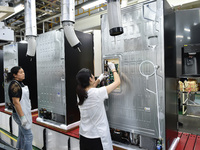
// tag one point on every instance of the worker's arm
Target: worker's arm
(97, 82)
(18, 107)
(100, 78)
(116, 82)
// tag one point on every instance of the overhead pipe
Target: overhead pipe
(114, 17)
(68, 20)
(30, 26)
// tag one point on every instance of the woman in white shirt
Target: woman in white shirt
(94, 128)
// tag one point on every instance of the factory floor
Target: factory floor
(189, 124)
(9, 140)
(189, 131)
(13, 141)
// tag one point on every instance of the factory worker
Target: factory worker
(19, 97)
(94, 128)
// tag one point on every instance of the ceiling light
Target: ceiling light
(186, 29)
(88, 31)
(92, 4)
(124, 3)
(179, 36)
(19, 8)
(195, 23)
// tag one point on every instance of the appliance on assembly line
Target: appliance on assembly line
(142, 111)
(57, 66)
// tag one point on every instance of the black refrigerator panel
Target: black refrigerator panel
(75, 61)
(1, 78)
(187, 32)
(195, 30)
(170, 45)
(29, 66)
(171, 112)
(191, 60)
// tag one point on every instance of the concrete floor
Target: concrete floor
(190, 124)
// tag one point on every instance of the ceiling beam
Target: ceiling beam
(82, 4)
(50, 3)
(5, 12)
(47, 12)
(51, 8)
(44, 20)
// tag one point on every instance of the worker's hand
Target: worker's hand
(23, 120)
(102, 76)
(111, 66)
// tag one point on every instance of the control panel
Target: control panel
(108, 72)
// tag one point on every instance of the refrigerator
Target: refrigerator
(57, 66)
(143, 109)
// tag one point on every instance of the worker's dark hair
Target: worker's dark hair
(83, 79)
(14, 70)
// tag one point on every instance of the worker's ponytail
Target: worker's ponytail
(83, 78)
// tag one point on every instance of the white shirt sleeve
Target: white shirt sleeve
(102, 93)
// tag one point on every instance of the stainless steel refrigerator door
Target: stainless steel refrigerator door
(51, 72)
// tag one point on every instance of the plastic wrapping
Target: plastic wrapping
(174, 143)
(31, 46)
(70, 34)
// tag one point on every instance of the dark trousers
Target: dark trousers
(90, 144)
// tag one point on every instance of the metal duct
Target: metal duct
(6, 34)
(114, 17)
(30, 24)
(68, 20)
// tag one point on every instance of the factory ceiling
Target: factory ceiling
(48, 13)
(44, 9)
